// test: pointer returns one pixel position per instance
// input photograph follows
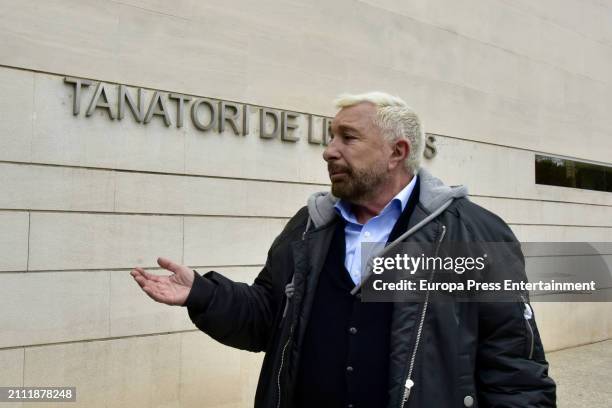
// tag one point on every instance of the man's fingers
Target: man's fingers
(148, 276)
(157, 287)
(140, 280)
(168, 264)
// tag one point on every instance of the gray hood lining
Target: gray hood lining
(433, 194)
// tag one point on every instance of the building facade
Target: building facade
(133, 129)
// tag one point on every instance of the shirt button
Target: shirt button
(353, 330)
(367, 234)
(468, 401)
(349, 369)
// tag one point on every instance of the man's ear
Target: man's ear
(400, 149)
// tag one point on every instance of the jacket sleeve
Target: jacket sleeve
(238, 314)
(511, 368)
(234, 313)
(512, 371)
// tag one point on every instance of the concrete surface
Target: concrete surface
(583, 375)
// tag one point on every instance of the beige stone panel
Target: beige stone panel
(314, 75)
(250, 366)
(442, 55)
(214, 375)
(132, 312)
(438, 52)
(102, 241)
(299, 68)
(180, 8)
(526, 28)
(543, 87)
(571, 324)
(586, 323)
(319, 62)
(39, 308)
(11, 367)
(97, 141)
(298, 85)
(366, 31)
(263, 14)
(84, 365)
(11, 372)
(606, 25)
(571, 194)
(479, 27)
(510, 28)
(55, 188)
(546, 233)
(538, 212)
(598, 61)
(553, 324)
(418, 9)
(67, 36)
(296, 67)
(586, 103)
(138, 371)
(229, 241)
(207, 57)
(563, 48)
(74, 189)
(471, 20)
(584, 113)
(490, 69)
(582, 17)
(17, 113)
(14, 240)
(145, 371)
(168, 194)
(468, 113)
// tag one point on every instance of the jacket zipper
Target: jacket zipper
(531, 334)
(409, 383)
(282, 362)
(532, 338)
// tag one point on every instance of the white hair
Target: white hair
(395, 119)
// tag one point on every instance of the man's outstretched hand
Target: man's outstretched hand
(171, 290)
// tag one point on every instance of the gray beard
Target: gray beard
(360, 185)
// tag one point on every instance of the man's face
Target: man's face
(357, 155)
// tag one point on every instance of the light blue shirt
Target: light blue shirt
(376, 229)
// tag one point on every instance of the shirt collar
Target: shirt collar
(398, 203)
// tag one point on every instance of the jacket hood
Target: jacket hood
(433, 194)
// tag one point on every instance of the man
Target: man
(324, 346)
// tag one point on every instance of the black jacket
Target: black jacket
(469, 353)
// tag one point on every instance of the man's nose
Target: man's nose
(331, 151)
